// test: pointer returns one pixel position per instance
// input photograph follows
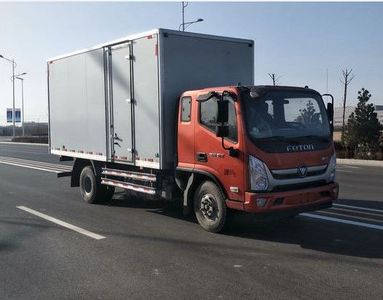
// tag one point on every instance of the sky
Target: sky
(299, 42)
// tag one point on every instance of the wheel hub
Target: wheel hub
(87, 185)
(208, 207)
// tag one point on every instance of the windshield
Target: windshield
(285, 114)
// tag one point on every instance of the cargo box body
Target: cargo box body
(117, 102)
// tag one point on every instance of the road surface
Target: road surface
(55, 246)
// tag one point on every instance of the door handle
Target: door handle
(201, 156)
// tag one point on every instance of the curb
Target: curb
(359, 162)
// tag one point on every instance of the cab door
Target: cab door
(185, 136)
(210, 156)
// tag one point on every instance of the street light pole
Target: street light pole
(13, 91)
(182, 25)
(13, 103)
(22, 105)
(22, 102)
(190, 23)
(19, 77)
(183, 14)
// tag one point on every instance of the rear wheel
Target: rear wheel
(209, 207)
(91, 189)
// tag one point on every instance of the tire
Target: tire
(210, 207)
(91, 189)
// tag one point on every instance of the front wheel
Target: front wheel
(209, 207)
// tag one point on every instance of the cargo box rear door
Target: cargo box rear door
(120, 69)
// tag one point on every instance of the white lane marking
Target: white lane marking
(19, 143)
(37, 164)
(350, 216)
(45, 169)
(62, 223)
(358, 207)
(351, 167)
(12, 151)
(21, 160)
(31, 167)
(31, 164)
(355, 211)
(332, 219)
(344, 171)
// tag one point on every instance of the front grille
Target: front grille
(293, 173)
(292, 176)
(298, 186)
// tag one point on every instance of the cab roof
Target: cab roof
(261, 89)
(266, 88)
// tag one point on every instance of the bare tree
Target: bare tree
(274, 78)
(347, 78)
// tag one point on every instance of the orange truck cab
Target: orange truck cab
(266, 150)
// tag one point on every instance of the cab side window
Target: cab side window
(186, 109)
(208, 112)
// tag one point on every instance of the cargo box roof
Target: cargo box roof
(151, 32)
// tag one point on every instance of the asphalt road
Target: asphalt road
(149, 250)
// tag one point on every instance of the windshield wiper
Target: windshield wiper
(272, 138)
(295, 139)
(278, 138)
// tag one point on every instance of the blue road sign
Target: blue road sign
(17, 115)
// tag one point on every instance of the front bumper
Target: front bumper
(295, 201)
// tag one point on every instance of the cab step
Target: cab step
(129, 175)
(129, 186)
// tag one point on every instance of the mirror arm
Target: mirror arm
(223, 144)
(227, 93)
(232, 151)
(331, 96)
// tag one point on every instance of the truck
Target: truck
(176, 116)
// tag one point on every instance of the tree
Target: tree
(274, 78)
(362, 132)
(347, 78)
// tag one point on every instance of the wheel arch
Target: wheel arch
(194, 178)
(78, 165)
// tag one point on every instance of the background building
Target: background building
(338, 111)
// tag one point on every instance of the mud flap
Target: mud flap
(187, 207)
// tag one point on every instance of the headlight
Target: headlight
(332, 167)
(257, 174)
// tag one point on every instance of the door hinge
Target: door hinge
(129, 100)
(129, 57)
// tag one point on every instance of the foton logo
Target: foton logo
(296, 148)
(302, 171)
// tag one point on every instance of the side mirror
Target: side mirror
(330, 115)
(222, 131)
(222, 111)
(330, 111)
